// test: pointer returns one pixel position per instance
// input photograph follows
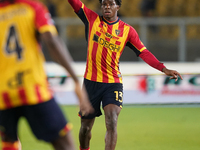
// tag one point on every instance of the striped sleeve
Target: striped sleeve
(43, 20)
(150, 59)
(84, 13)
(138, 47)
(134, 42)
(76, 5)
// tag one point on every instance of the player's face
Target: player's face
(109, 9)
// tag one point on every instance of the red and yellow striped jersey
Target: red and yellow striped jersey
(22, 76)
(106, 42)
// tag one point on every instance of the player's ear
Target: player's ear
(118, 7)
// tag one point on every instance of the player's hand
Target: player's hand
(172, 73)
(20, 145)
(84, 104)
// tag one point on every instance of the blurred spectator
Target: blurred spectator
(52, 10)
(147, 10)
(147, 7)
(51, 7)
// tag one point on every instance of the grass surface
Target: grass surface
(139, 128)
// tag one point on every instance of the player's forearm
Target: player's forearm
(59, 53)
(76, 4)
(150, 59)
(65, 60)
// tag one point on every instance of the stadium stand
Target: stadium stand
(164, 8)
(162, 43)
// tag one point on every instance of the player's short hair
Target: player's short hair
(118, 2)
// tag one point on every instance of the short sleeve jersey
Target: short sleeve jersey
(22, 76)
(106, 41)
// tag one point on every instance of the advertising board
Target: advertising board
(142, 84)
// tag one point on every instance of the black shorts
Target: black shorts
(45, 119)
(107, 93)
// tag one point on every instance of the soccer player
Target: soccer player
(24, 89)
(106, 38)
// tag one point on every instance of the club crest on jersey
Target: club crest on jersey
(117, 32)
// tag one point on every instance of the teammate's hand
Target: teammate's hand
(172, 73)
(84, 104)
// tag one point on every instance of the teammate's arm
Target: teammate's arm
(84, 13)
(59, 53)
(76, 5)
(141, 51)
(150, 59)
(47, 30)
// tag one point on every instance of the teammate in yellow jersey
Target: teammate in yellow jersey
(106, 37)
(24, 90)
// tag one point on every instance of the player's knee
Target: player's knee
(111, 123)
(85, 130)
(64, 142)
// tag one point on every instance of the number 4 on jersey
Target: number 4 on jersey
(12, 43)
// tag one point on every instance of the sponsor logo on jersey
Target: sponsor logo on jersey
(107, 44)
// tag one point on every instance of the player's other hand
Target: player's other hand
(84, 104)
(172, 73)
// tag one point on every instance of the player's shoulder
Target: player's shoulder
(131, 28)
(124, 23)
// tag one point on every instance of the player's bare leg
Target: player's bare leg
(64, 143)
(85, 132)
(111, 116)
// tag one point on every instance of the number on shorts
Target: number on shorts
(119, 96)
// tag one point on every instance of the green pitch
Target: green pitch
(139, 128)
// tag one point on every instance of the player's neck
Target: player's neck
(111, 20)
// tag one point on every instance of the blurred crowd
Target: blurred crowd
(134, 8)
(137, 8)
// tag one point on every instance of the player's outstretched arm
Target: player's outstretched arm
(150, 59)
(76, 4)
(172, 73)
(60, 54)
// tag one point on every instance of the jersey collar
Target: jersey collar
(110, 22)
